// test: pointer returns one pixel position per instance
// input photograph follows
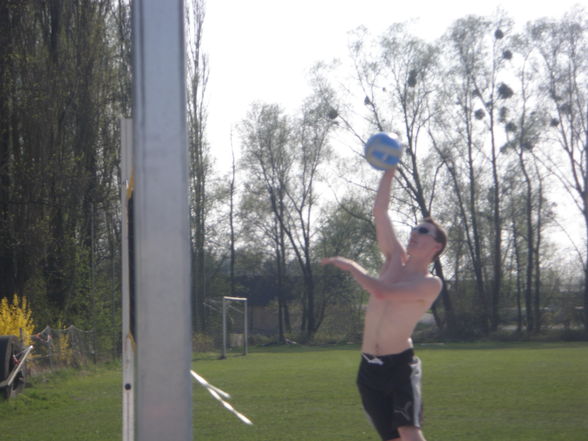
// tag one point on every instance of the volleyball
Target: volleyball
(383, 151)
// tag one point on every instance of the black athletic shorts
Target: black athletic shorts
(390, 389)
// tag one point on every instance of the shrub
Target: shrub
(202, 343)
(16, 316)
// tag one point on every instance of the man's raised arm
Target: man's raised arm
(387, 241)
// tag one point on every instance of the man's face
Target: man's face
(422, 241)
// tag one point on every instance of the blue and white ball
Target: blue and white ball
(382, 151)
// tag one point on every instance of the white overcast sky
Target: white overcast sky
(262, 49)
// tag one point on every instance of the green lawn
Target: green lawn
(479, 392)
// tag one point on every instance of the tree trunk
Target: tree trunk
(532, 325)
(6, 255)
(586, 286)
(446, 300)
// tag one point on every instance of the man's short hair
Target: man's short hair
(440, 235)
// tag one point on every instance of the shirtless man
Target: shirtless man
(389, 373)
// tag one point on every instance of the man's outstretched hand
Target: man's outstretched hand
(340, 262)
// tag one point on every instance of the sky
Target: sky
(262, 50)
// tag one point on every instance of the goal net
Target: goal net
(234, 326)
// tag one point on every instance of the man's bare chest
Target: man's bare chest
(396, 273)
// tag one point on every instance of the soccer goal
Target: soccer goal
(235, 324)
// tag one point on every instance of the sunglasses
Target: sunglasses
(423, 230)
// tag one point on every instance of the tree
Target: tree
(524, 123)
(310, 150)
(200, 166)
(347, 229)
(563, 50)
(283, 157)
(466, 138)
(59, 150)
(266, 158)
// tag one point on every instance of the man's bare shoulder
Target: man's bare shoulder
(430, 285)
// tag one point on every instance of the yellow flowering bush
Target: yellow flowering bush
(16, 315)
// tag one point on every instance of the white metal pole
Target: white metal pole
(128, 361)
(163, 389)
(246, 328)
(224, 349)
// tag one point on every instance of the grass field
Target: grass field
(479, 392)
